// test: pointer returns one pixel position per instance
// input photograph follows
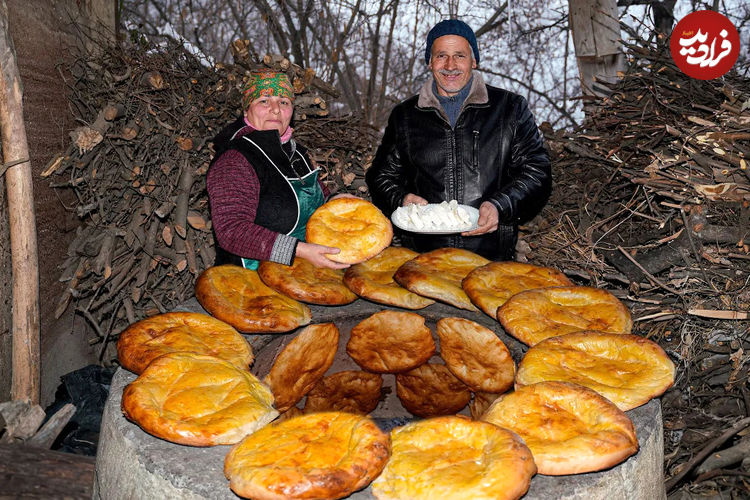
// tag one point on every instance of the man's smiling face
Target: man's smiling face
(451, 63)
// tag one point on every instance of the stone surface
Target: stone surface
(133, 464)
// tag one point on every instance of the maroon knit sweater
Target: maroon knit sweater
(233, 190)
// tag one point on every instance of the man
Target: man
(462, 139)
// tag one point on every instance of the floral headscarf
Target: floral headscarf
(266, 83)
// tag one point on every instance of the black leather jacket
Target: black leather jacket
(495, 153)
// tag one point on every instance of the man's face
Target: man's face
(451, 63)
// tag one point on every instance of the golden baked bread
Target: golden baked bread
(301, 363)
(491, 285)
(569, 428)
(197, 400)
(239, 297)
(475, 355)
(146, 340)
(626, 369)
(431, 390)
(480, 402)
(352, 391)
(454, 458)
(438, 274)
(306, 282)
(390, 342)
(317, 455)
(353, 225)
(373, 280)
(537, 314)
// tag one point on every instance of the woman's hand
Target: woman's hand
(413, 199)
(317, 255)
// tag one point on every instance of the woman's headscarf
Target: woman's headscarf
(265, 84)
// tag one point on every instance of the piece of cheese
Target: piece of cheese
(445, 216)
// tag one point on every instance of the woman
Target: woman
(261, 185)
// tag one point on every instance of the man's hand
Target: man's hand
(488, 220)
(413, 199)
(317, 255)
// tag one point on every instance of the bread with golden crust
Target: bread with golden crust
(475, 355)
(390, 342)
(301, 363)
(306, 282)
(353, 225)
(146, 340)
(480, 401)
(534, 315)
(290, 413)
(569, 428)
(197, 400)
(316, 455)
(626, 369)
(438, 275)
(352, 391)
(431, 390)
(491, 285)
(373, 280)
(454, 458)
(239, 297)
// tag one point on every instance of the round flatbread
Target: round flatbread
(238, 296)
(352, 391)
(626, 369)
(491, 285)
(197, 400)
(535, 315)
(454, 458)
(438, 275)
(307, 282)
(569, 428)
(373, 280)
(318, 455)
(430, 390)
(475, 355)
(355, 226)
(301, 363)
(146, 340)
(390, 342)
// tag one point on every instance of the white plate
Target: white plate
(473, 215)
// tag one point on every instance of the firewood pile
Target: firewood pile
(652, 201)
(137, 166)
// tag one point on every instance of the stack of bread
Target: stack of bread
(583, 370)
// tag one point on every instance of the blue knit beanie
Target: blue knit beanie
(451, 27)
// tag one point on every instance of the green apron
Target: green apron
(310, 197)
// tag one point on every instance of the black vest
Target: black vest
(278, 207)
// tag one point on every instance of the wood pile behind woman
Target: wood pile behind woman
(137, 168)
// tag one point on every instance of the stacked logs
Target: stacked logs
(660, 187)
(137, 169)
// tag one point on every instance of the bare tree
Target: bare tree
(661, 10)
(373, 51)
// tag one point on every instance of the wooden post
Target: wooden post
(23, 246)
(596, 34)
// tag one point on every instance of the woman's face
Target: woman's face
(270, 113)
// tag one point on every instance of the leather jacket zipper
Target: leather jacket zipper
(475, 152)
